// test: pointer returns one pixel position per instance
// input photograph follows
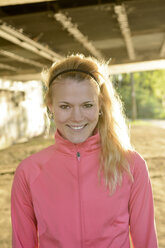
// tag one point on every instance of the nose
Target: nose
(77, 114)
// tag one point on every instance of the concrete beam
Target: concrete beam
(16, 37)
(22, 77)
(8, 67)
(15, 2)
(76, 33)
(138, 66)
(21, 59)
(125, 30)
(162, 50)
(113, 69)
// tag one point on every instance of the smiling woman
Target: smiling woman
(76, 115)
(90, 188)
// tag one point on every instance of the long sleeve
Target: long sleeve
(24, 225)
(142, 226)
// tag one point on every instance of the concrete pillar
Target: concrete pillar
(133, 97)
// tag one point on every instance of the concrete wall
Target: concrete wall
(22, 114)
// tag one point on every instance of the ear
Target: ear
(100, 106)
(50, 107)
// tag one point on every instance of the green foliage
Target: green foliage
(149, 90)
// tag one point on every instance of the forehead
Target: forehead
(71, 89)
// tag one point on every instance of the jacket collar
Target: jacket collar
(65, 146)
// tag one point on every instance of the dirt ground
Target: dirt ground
(148, 140)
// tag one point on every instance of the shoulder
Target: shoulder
(138, 165)
(31, 166)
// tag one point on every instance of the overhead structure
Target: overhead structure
(20, 39)
(8, 67)
(162, 50)
(138, 66)
(15, 2)
(21, 59)
(35, 33)
(75, 32)
(125, 30)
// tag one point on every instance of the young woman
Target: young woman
(90, 189)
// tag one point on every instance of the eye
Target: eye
(88, 105)
(64, 106)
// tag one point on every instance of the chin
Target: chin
(77, 140)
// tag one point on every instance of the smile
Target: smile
(77, 127)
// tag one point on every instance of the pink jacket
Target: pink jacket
(57, 201)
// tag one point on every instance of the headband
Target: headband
(73, 70)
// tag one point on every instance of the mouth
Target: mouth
(77, 127)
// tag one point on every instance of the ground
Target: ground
(148, 140)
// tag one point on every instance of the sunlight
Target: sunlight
(138, 66)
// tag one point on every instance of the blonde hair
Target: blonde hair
(115, 142)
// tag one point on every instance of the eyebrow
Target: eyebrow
(91, 101)
(63, 102)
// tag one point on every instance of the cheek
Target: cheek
(93, 115)
(61, 116)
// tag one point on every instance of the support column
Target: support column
(133, 97)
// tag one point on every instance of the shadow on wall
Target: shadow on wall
(22, 112)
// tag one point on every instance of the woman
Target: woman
(89, 189)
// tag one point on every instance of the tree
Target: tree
(150, 93)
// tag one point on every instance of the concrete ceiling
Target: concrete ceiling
(34, 33)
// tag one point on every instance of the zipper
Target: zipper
(79, 192)
(78, 156)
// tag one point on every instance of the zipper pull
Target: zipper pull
(78, 156)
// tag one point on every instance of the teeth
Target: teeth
(77, 128)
